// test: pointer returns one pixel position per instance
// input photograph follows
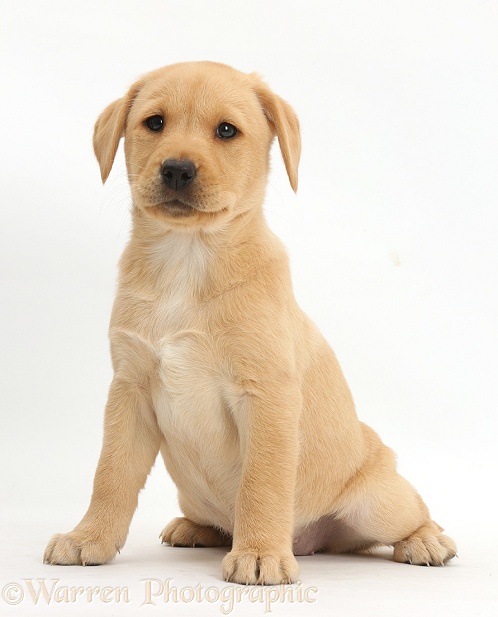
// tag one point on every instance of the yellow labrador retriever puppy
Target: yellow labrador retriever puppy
(215, 365)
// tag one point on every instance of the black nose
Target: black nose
(177, 174)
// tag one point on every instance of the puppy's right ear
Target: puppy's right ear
(109, 129)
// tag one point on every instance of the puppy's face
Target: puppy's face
(197, 141)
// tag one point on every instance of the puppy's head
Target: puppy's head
(197, 141)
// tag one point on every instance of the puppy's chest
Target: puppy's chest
(166, 340)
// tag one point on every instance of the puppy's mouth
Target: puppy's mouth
(176, 208)
(186, 208)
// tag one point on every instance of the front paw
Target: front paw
(79, 548)
(249, 567)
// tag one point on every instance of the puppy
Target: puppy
(215, 365)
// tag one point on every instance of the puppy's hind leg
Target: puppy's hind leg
(383, 508)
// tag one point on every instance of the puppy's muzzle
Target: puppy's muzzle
(177, 174)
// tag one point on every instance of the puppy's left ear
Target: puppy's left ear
(285, 124)
(109, 129)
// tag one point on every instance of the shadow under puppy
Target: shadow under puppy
(215, 365)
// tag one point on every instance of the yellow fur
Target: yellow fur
(215, 365)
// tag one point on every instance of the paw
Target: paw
(184, 532)
(425, 549)
(78, 548)
(260, 568)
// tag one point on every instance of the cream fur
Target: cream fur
(215, 365)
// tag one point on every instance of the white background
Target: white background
(392, 238)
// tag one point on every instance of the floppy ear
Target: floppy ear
(286, 125)
(109, 129)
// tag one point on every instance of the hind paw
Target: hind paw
(184, 532)
(425, 547)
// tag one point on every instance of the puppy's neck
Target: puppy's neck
(206, 263)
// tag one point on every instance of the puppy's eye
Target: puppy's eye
(154, 123)
(226, 130)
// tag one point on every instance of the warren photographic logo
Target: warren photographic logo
(154, 592)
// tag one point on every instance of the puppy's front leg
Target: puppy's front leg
(131, 443)
(267, 420)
